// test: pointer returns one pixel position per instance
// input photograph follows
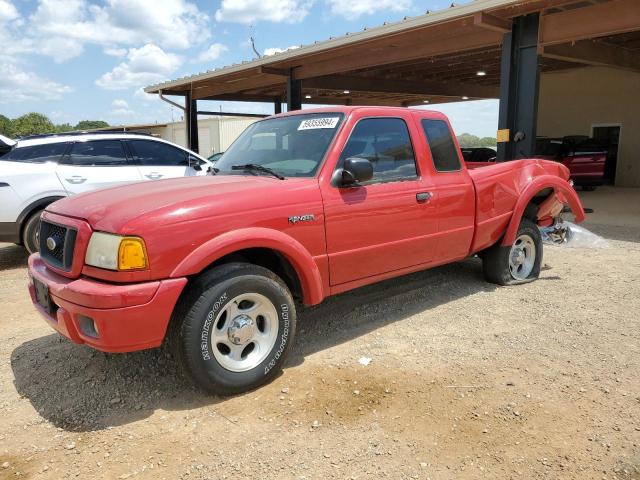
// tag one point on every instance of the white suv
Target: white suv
(41, 169)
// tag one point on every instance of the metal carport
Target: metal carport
(483, 49)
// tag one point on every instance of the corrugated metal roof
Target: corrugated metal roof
(408, 23)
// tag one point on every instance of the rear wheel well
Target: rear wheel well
(269, 259)
(531, 210)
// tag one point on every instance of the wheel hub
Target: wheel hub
(241, 329)
(522, 257)
(518, 256)
(245, 332)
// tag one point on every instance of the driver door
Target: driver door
(388, 223)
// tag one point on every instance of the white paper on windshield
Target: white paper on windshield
(312, 123)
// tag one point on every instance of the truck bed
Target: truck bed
(498, 187)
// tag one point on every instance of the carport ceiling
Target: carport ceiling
(432, 58)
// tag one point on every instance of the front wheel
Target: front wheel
(518, 263)
(238, 324)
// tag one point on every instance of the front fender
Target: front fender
(561, 188)
(258, 237)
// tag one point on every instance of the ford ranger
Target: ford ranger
(302, 206)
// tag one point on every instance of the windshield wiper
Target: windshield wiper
(257, 168)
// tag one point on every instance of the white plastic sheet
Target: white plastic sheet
(570, 235)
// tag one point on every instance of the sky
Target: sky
(83, 59)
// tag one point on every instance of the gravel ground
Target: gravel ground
(467, 380)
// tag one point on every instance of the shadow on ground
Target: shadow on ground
(79, 389)
(12, 256)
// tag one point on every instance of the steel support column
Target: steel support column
(277, 105)
(191, 122)
(519, 84)
(294, 93)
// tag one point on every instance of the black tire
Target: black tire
(495, 262)
(204, 307)
(31, 232)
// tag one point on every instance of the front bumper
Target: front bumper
(106, 316)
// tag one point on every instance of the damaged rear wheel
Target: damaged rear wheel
(518, 263)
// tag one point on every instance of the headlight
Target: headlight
(115, 252)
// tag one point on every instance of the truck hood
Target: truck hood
(133, 207)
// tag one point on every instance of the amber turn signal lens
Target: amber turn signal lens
(132, 254)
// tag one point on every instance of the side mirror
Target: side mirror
(354, 171)
(194, 163)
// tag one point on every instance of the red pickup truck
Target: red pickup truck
(302, 206)
(585, 158)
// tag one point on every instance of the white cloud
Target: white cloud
(274, 50)
(171, 24)
(8, 12)
(142, 66)
(115, 52)
(251, 11)
(355, 8)
(120, 108)
(18, 85)
(212, 53)
(140, 94)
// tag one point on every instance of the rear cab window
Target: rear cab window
(48, 152)
(443, 148)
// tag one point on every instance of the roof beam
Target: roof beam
(257, 81)
(382, 85)
(589, 52)
(366, 57)
(282, 72)
(239, 97)
(491, 22)
(617, 16)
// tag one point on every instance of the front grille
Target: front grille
(56, 244)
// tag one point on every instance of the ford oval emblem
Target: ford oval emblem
(51, 243)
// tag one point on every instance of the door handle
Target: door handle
(154, 175)
(423, 197)
(76, 179)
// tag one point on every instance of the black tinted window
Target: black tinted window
(443, 150)
(386, 144)
(50, 152)
(147, 152)
(97, 153)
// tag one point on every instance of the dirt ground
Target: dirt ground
(467, 380)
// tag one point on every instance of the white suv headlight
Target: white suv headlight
(115, 252)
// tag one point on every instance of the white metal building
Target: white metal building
(215, 133)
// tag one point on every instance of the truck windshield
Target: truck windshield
(291, 146)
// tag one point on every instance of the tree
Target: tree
(90, 124)
(488, 141)
(467, 140)
(64, 127)
(31, 124)
(5, 126)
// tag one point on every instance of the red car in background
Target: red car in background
(584, 157)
